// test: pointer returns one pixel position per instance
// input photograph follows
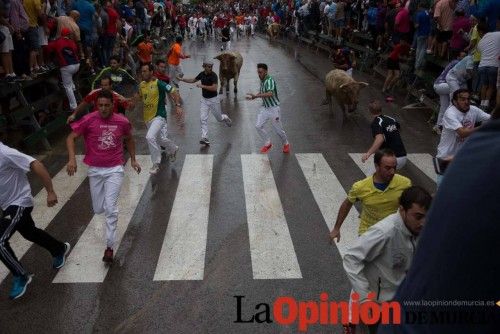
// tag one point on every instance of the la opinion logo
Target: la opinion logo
(287, 310)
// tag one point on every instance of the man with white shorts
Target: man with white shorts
(270, 110)
(210, 101)
(103, 132)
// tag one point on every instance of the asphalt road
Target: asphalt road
(294, 258)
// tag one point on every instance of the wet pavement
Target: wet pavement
(130, 300)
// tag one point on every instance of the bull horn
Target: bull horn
(342, 86)
(363, 84)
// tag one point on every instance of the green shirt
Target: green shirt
(269, 85)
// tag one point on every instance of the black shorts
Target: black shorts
(443, 36)
(392, 64)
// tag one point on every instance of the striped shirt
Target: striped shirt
(269, 85)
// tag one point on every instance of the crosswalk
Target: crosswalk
(183, 251)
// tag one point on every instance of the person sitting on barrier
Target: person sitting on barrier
(120, 103)
(344, 59)
(119, 77)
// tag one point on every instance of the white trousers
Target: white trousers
(443, 90)
(67, 73)
(226, 45)
(173, 72)
(273, 114)
(105, 185)
(455, 84)
(157, 136)
(207, 106)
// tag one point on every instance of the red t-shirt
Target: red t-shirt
(118, 100)
(66, 51)
(111, 29)
(161, 76)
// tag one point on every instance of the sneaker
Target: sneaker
(60, 260)
(173, 156)
(286, 148)
(154, 169)
(266, 148)
(19, 286)
(108, 255)
(228, 122)
(204, 141)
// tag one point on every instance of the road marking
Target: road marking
(368, 167)
(84, 263)
(64, 186)
(329, 194)
(423, 161)
(272, 252)
(182, 255)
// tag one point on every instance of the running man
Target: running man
(120, 103)
(152, 92)
(270, 109)
(17, 202)
(103, 132)
(210, 99)
(119, 77)
(174, 57)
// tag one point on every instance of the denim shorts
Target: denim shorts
(488, 76)
(33, 39)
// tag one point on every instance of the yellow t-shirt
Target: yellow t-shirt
(476, 55)
(32, 8)
(153, 95)
(377, 204)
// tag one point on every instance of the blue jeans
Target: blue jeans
(107, 48)
(420, 53)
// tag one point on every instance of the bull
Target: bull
(344, 89)
(230, 66)
(273, 30)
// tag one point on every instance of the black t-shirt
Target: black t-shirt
(226, 34)
(389, 128)
(207, 80)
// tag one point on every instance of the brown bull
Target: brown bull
(273, 30)
(344, 89)
(230, 66)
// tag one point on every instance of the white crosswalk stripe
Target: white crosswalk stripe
(424, 162)
(64, 186)
(329, 195)
(84, 262)
(271, 247)
(182, 255)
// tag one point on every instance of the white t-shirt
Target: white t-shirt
(16, 189)
(489, 46)
(454, 119)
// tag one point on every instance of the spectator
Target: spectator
(423, 30)
(402, 25)
(393, 65)
(19, 21)
(6, 45)
(332, 13)
(443, 14)
(478, 31)
(461, 28)
(339, 20)
(86, 21)
(110, 32)
(66, 53)
(489, 47)
(34, 11)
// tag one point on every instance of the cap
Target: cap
(65, 32)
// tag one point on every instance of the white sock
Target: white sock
(486, 103)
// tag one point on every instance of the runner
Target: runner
(270, 110)
(17, 203)
(103, 132)
(174, 57)
(152, 92)
(120, 103)
(210, 99)
(119, 77)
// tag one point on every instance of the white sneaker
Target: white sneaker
(173, 156)
(155, 169)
